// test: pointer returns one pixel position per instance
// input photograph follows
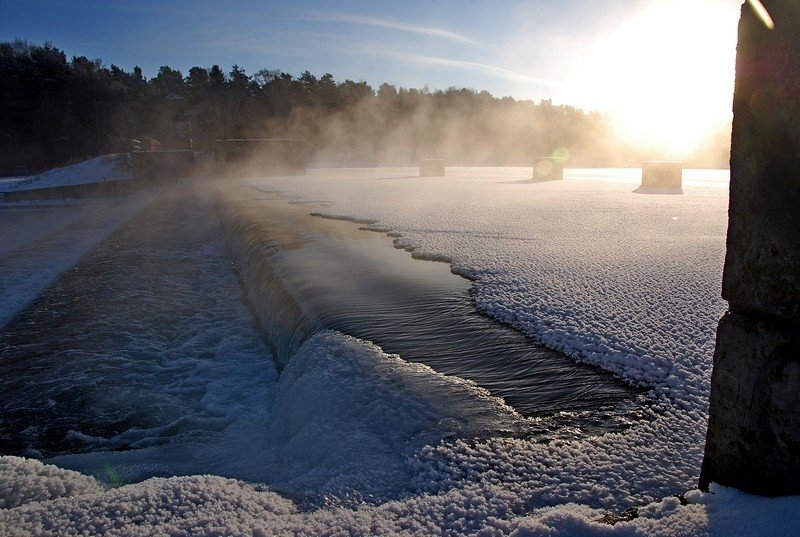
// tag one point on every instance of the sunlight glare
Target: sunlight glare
(665, 74)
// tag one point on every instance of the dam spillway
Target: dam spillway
(330, 274)
(148, 345)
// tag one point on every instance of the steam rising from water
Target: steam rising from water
(472, 130)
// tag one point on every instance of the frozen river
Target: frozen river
(149, 358)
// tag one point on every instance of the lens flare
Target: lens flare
(762, 13)
(561, 154)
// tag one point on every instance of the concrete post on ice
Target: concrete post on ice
(662, 174)
(548, 169)
(753, 438)
(431, 167)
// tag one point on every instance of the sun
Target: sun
(665, 73)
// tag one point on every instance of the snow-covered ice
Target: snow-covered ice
(626, 281)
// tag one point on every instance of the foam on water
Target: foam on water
(626, 281)
(342, 425)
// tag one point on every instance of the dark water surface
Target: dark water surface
(144, 342)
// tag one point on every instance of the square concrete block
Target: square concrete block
(548, 169)
(431, 167)
(662, 174)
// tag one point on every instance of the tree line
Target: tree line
(56, 110)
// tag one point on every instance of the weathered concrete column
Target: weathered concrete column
(431, 167)
(548, 169)
(753, 440)
(662, 174)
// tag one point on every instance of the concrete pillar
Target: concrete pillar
(431, 167)
(662, 174)
(548, 169)
(753, 440)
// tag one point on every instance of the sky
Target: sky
(621, 57)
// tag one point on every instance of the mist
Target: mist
(88, 109)
(470, 128)
(350, 124)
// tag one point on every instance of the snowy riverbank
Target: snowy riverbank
(94, 170)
